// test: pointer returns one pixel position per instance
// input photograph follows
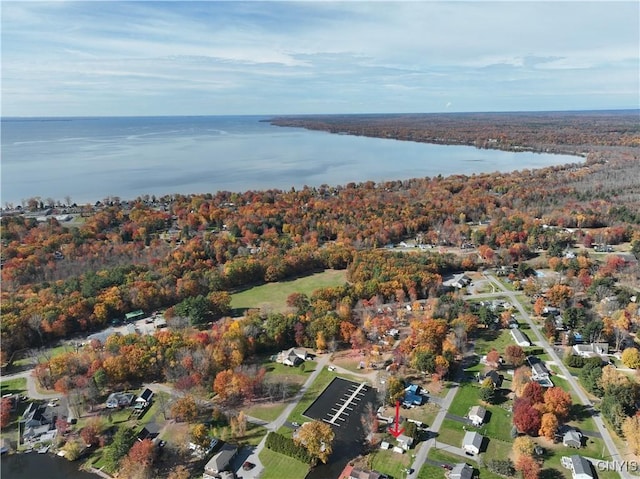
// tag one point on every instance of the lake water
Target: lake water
(89, 159)
(40, 466)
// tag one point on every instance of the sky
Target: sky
(66, 58)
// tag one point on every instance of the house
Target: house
(472, 442)
(220, 461)
(412, 396)
(144, 399)
(461, 471)
(458, 281)
(591, 350)
(476, 415)
(520, 338)
(35, 415)
(572, 438)
(292, 357)
(580, 467)
(350, 472)
(119, 400)
(496, 379)
(405, 442)
(37, 420)
(539, 372)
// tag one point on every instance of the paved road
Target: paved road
(253, 457)
(425, 447)
(614, 454)
(32, 390)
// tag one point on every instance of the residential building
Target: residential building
(572, 438)
(591, 350)
(520, 338)
(144, 399)
(458, 281)
(119, 400)
(350, 472)
(477, 415)
(292, 357)
(472, 442)
(461, 471)
(496, 379)
(413, 396)
(580, 467)
(220, 461)
(405, 442)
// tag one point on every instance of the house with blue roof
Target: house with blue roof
(412, 396)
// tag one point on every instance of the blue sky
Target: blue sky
(68, 58)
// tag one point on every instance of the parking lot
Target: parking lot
(340, 401)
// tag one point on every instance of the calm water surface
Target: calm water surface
(89, 159)
(40, 466)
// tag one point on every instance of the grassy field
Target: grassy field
(13, 386)
(429, 471)
(466, 397)
(274, 295)
(279, 466)
(267, 412)
(390, 463)
(451, 433)
(486, 340)
(442, 456)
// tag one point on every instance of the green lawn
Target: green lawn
(279, 466)
(277, 369)
(487, 339)
(267, 412)
(431, 472)
(451, 433)
(390, 463)
(274, 295)
(253, 435)
(497, 449)
(442, 456)
(499, 425)
(466, 397)
(13, 386)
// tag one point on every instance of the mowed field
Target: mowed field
(273, 296)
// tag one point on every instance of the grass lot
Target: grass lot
(426, 414)
(466, 397)
(499, 425)
(253, 435)
(451, 433)
(267, 412)
(487, 339)
(274, 295)
(429, 471)
(390, 463)
(13, 386)
(279, 466)
(497, 449)
(277, 369)
(441, 456)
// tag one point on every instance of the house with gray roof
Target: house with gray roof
(520, 338)
(220, 461)
(472, 442)
(461, 471)
(572, 438)
(477, 415)
(581, 468)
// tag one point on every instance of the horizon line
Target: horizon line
(280, 115)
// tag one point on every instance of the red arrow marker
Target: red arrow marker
(396, 431)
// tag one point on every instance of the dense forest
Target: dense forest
(189, 252)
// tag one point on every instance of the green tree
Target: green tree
(395, 389)
(123, 439)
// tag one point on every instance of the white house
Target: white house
(572, 438)
(458, 281)
(292, 357)
(591, 350)
(476, 415)
(405, 442)
(520, 338)
(472, 442)
(580, 467)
